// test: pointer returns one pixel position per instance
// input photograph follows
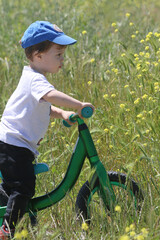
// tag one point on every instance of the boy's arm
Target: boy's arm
(63, 100)
(60, 113)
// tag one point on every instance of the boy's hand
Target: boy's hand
(66, 115)
(83, 106)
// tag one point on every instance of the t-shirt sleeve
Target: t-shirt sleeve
(40, 86)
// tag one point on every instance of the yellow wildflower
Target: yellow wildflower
(144, 96)
(98, 141)
(132, 234)
(106, 130)
(156, 34)
(123, 54)
(114, 24)
(53, 124)
(89, 83)
(149, 34)
(85, 226)
(138, 66)
(132, 226)
(117, 209)
(110, 146)
(128, 14)
(105, 96)
(92, 60)
(156, 88)
(147, 48)
(140, 115)
(116, 30)
(124, 237)
(127, 229)
(131, 24)
(122, 106)
(150, 112)
(147, 131)
(24, 233)
(126, 86)
(137, 101)
(139, 76)
(115, 70)
(155, 64)
(147, 55)
(113, 95)
(150, 98)
(156, 84)
(18, 235)
(141, 53)
(133, 36)
(139, 237)
(144, 232)
(142, 41)
(84, 32)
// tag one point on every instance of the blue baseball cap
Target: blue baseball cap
(40, 31)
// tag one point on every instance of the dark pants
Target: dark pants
(18, 180)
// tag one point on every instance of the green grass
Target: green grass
(114, 66)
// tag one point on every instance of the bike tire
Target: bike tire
(119, 180)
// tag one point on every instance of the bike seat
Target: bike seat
(38, 168)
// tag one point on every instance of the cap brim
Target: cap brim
(64, 40)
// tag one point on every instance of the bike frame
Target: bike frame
(84, 148)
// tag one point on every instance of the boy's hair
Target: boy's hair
(39, 48)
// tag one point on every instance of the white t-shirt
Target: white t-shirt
(26, 116)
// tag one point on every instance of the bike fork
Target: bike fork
(106, 190)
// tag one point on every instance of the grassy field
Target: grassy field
(115, 65)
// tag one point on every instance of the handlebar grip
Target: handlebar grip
(66, 124)
(87, 112)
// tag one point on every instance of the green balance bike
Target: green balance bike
(105, 188)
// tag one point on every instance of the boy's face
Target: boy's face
(50, 61)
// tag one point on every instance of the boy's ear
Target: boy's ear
(37, 54)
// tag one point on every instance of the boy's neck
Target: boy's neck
(35, 68)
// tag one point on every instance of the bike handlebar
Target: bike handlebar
(86, 112)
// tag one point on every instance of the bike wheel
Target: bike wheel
(127, 192)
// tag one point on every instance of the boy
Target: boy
(27, 114)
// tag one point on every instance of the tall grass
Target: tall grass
(115, 65)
